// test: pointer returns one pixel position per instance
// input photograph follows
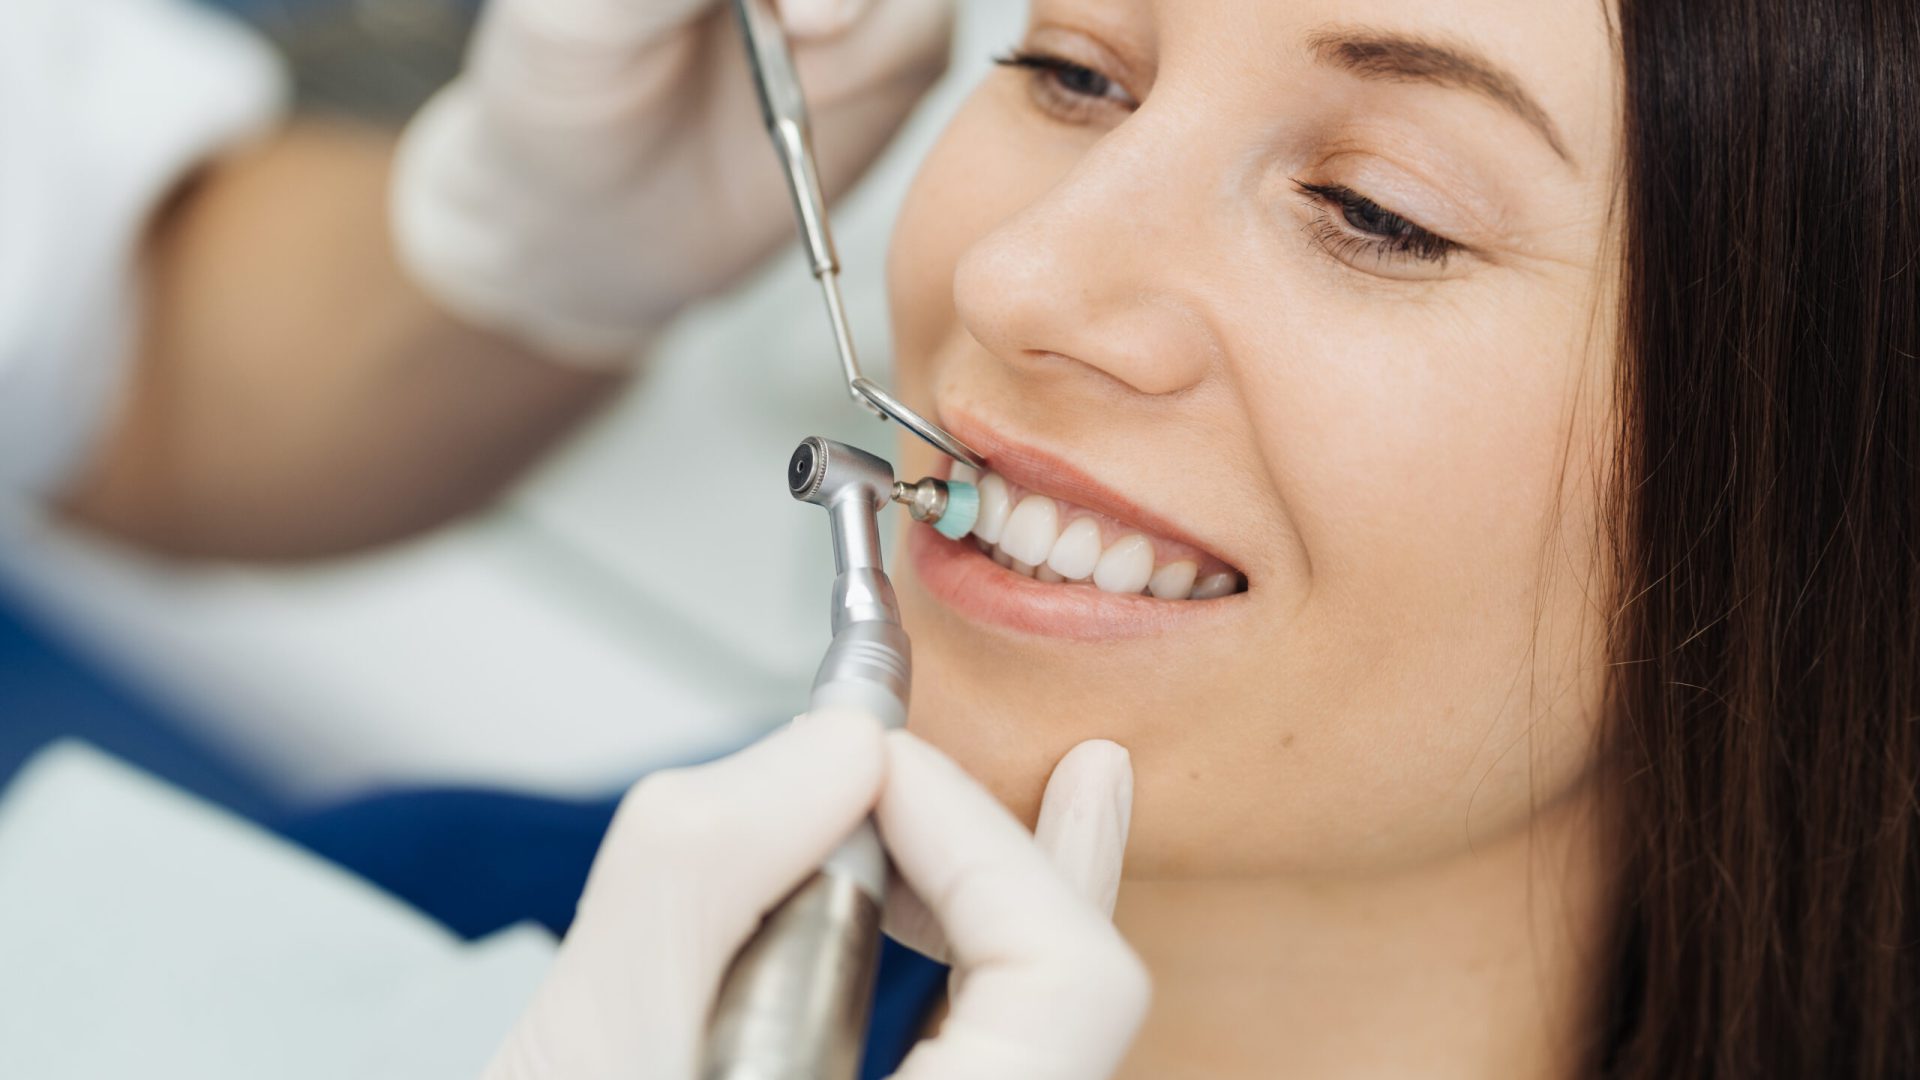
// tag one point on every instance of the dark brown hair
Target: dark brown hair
(1765, 722)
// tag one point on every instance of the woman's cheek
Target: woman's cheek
(929, 238)
(993, 161)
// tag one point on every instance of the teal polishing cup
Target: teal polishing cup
(963, 511)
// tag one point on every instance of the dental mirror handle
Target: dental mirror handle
(784, 108)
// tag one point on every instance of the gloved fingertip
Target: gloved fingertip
(849, 741)
(840, 723)
(820, 18)
(1098, 769)
(1098, 757)
(1085, 817)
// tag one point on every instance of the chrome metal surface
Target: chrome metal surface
(926, 501)
(875, 653)
(784, 108)
(933, 434)
(843, 342)
(795, 1003)
(853, 486)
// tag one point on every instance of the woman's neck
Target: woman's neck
(1479, 965)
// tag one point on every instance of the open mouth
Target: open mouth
(1056, 541)
(1057, 552)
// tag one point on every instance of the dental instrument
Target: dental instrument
(951, 507)
(784, 107)
(795, 1003)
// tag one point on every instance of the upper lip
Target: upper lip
(1034, 469)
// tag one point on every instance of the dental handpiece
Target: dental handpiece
(784, 108)
(795, 1003)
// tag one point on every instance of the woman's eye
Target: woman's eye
(1066, 88)
(1368, 231)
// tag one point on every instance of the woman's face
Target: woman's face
(1312, 297)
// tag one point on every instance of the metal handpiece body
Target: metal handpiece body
(795, 1003)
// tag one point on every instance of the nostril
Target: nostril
(1037, 313)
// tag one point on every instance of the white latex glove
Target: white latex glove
(1043, 987)
(601, 163)
(1047, 990)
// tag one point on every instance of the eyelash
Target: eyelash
(1070, 87)
(1387, 235)
(1383, 235)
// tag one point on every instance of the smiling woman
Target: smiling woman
(1464, 450)
(1517, 364)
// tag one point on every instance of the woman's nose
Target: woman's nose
(1096, 271)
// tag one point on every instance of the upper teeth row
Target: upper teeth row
(1027, 537)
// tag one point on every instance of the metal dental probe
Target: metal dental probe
(784, 108)
(794, 1005)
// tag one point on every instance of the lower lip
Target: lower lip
(958, 575)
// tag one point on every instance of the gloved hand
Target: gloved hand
(1043, 987)
(601, 163)
(1046, 989)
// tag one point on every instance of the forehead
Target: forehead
(1560, 54)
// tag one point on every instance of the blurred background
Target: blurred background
(605, 618)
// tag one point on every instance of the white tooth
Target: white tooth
(1031, 530)
(1002, 558)
(1214, 586)
(1173, 581)
(964, 473)
(1024, 569)
(1048, 574)
(1077, 551)
(995, 504)
(1126, 567)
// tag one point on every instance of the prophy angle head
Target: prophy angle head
(824, 472)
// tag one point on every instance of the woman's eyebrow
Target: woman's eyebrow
(1373, 54)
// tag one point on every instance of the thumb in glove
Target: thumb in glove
(1084, 819)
